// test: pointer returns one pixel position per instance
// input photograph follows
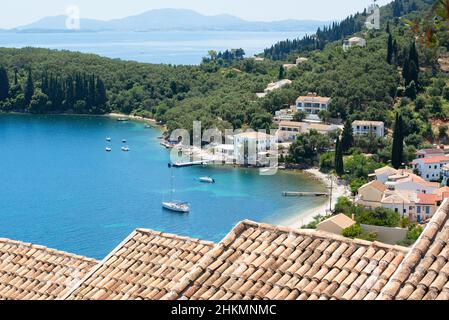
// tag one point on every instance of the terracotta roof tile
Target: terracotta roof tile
(423, 274)
(146, 265)
(32, 272)
(295, 264)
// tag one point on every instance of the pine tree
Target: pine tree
(390, 50)
(29, 88)
(347, 139)
(4, 84)
(339, 166)
(397, 153)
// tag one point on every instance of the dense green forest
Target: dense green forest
(392, 73)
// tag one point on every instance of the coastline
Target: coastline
(298, 220)
(304, 217)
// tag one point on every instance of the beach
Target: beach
(305, 217)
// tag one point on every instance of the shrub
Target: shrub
(353, 231)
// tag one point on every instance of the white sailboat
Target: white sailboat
(173, 205)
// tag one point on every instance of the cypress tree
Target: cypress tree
(339, 166)
(397, 153)
(410, 91)
(406, 71)
(390, 50)
(281, 73)
(4, 84)
(347, 139)
(16, 81)
(29, 88)
(413, 54)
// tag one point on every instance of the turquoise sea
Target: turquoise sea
(59, 187)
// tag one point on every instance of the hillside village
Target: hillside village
(386, 239)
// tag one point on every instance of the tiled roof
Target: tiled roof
(424, 198)
(367, 123)
(146, 265)
(254, 135)
(31, 272)
(341, 220)
(376, 185)
(432, 160)
(313, 98)
(260, 261)
(291, 124)
(430, 151)
(385, 169)
(424, 273)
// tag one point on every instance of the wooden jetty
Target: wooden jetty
(304, 194)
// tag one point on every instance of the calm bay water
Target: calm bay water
(153, 47)
(60, 188)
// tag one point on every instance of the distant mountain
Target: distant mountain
(175, 19)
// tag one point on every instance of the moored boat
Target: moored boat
(176, 206)
(108, 149)
(207, 180)
(125, 149)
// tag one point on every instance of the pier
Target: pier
(304, 194)
(189, 164)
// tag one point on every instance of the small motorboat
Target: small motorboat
(147, 126)
(176, 206)
(108, 139)
(108, 149)
(122, 119)
(125, 149)
(124, 141)
(207, 180)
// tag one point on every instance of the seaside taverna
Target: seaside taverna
(254, 261)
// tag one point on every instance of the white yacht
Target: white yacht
(108, 149)
(108, 139)
(176, 206)
(207, 180)
(125, 149)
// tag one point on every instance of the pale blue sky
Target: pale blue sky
(19, 12)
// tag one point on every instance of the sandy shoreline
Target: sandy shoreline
(305, 217)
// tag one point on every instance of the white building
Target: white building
(284, 114)
(352, 42)
(383, 174)
(445, 175)
(400, 202)
(224, 150)
(289, 130)
(312, 104)
(252, 148)
(431, 169)
(363, 128)
(406, 181)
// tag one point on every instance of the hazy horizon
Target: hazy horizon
(13, 15)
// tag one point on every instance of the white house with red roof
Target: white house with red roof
(431, 168)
